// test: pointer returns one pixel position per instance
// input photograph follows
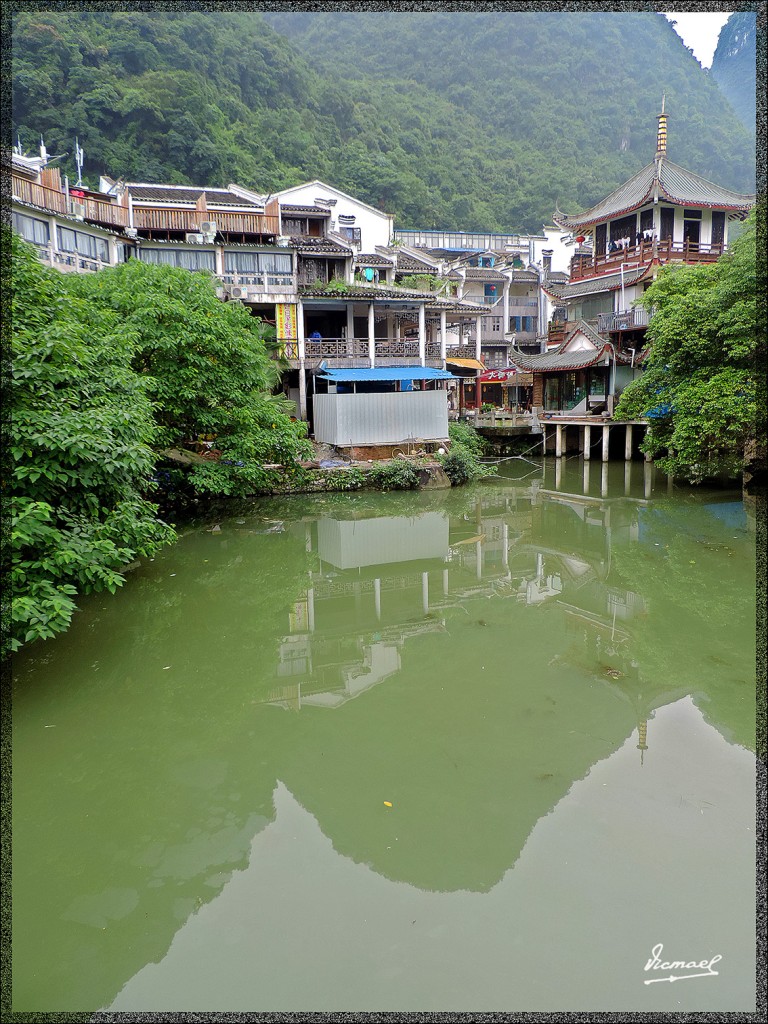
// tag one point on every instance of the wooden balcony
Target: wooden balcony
(38, 195)
(355, 351)
(639, 255)
(165, 220)
(103, 212)
(53, 200)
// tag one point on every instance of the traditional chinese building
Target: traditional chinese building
(662, 215)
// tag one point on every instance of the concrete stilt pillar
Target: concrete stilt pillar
(302, 391)
(371, 335)
(587, 466)
(627, 477)
(647, 479)
(587, 440)
(479, 559)
(558, 473)
(559, 440)
(425, 591)
(543, 440)
(445, 582)
(377, 597)
(647, 456)
(604, 480)
(628, 442)
(606, 435)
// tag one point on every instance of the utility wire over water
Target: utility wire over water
(357, 752)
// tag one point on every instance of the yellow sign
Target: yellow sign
(285, 322)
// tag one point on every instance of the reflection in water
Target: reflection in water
(506, 641)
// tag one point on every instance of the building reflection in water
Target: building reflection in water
(530, 544)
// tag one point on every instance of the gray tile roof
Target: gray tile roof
(372, 259)
(174, 194)
(676, 184)
(479, 273)
(318, 246)
(594, 285)
(316, 211)
(408, 263)
(559, 359)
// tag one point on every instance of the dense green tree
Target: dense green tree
(208, 370)
(700, 388)
(79, 431)
(472, 120)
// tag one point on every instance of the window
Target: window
(257, 263)
(31, 229)
(692, 214)
(295, 226)
(84, 245)
(353, 234)
(188, 259)
(595, 304)
(496, 323)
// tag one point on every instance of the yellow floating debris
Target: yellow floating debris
(387, 803)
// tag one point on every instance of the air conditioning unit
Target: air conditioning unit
(208, 227)
(78, 210)
(132, 232)
(237, 291)
(194, 236)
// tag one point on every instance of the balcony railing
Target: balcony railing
(190, 220)
(38, 195)
(104, 212)
(55, 201)
(636, 255)
(69, 260)
(336, 348)
(628, 320)
(262, 283)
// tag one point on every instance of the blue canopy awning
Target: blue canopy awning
(384, 373)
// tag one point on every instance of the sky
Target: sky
(699, 30)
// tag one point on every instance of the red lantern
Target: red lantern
(580, 239)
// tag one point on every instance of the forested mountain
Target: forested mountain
(474, 120)
(733, 66)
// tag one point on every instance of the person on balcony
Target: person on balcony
(315, 336)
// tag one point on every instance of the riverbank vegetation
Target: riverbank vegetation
(116, 377)
(110, 371)
(705, 366)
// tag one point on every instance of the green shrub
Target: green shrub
(461, 466)
(464, 435)
(397, 475)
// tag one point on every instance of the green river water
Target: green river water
(549, 678)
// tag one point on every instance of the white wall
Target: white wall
(375, 226)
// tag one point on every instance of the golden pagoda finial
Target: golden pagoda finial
(642, 735)
(661, 132)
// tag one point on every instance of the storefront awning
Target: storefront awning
(470, 364)
(384, 373)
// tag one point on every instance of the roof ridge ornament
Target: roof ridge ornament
(661, 133)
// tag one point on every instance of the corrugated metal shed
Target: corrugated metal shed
(389, 418)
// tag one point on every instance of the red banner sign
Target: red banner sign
(498, 376)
